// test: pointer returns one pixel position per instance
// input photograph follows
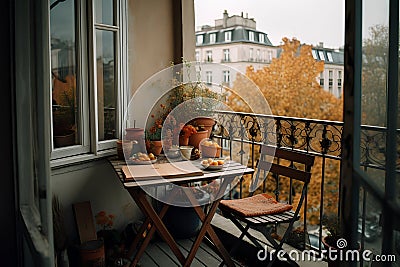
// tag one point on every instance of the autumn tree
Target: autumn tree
(374, 68)
(290, 85)
(291, 88)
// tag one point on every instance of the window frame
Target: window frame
(261, 38)
(213, 38)
(251, 36)
(228, 36)
(91, 147)
(251, 54)
(226, 55)
(226, 74)
(209, 77)
(209, 57)
(321, 55)
(199, 37)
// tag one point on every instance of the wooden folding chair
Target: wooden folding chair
(260, 211)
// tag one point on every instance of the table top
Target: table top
(230, 170)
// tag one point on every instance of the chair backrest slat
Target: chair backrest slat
(287, 154)
(285, 171)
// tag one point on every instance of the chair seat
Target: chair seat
(258, 205)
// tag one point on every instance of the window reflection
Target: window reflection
(63, 73)
(105, 59)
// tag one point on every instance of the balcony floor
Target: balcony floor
(159, 254)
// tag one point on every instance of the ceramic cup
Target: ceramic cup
(186, 151)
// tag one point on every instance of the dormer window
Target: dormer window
(199, 39)
(314, 54)
(261, 38)
(228, 36)
(213, 38)
(329, 54)
(251, 36)
(321, 55)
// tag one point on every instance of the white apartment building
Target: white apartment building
(234, 41)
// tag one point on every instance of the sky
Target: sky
(310, 21)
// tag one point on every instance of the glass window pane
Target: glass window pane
(63, 73)
(375, 35)
(105, 11)
(106, 87)
(375, 42)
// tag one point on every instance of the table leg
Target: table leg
(147, 209)
(148, 237)
(207, 228)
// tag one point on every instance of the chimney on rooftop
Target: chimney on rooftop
(225, 19)
(321, 44)
(247, 15)
(242, 14)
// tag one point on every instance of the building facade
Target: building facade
(234, 41)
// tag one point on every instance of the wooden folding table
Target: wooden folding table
(138, 178)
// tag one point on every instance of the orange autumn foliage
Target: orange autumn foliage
(290, 86)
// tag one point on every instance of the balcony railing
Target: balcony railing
(320, 138)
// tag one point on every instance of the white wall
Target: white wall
(95, 182)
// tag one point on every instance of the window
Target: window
(264, 56)
(261, 38)
(251, 54)
(314, 54)
(329, 54)
(197, 56)
(321, 79)
(209, 56)
(85, 75)
(226, 77)
(199, 39)
(269, 56)
(228, 36)
(213, 38)
(321, 55)
(258, 56)
(209, 77)
(226, 55)
(251, 36)
(330, 81)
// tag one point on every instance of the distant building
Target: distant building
(331, 79)
(235, 41)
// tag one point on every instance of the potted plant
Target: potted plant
(111, 237)
(187, 131)
(154, 133)
(64, 126)
(334, 240)
(201, 100)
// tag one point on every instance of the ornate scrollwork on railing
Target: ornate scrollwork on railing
(372, 144)
(321, 137)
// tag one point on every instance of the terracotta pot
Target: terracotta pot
(195, 139)
(65, 140)
(328, 246)
(183, 141)
(205, 122)
(134, 134)
(155, 147)
(210, 151)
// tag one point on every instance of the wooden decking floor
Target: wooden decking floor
(159, 254)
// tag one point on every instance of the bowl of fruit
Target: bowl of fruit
(213, 164)
(210, 149)
(142, 158)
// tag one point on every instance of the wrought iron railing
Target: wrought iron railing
(321, 138)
